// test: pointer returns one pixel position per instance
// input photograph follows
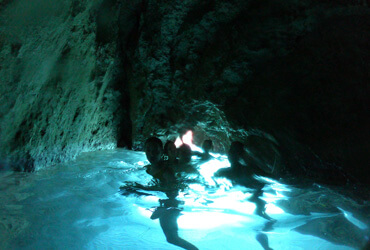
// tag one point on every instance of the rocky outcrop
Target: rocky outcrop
(58, 81)
(298, 71)
(289, 79)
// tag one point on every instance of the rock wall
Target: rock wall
(288, 78)
(58, 92)
(293, 72)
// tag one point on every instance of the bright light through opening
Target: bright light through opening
(178, 142)
(187, 139)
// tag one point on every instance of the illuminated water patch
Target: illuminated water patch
(78, 206)
(349, 216)
(209, 168)
(206, 219)
(273, 209)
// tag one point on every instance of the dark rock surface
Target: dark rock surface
(58, 81)
(298, 70)
(289, 79)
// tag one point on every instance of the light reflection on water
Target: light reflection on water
(78, 206)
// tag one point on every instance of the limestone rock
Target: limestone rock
(87, 75)
(57, 81)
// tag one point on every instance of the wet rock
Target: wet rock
(335, 229)
(282, 68)
(58, 81)
(87, 75)
(24, 164)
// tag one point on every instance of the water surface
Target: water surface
(78, 205)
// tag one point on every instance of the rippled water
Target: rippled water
(79, 206)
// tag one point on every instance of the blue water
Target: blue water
(78, 205)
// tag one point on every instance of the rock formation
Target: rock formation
(289, 79)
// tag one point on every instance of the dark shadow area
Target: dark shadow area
(128, 37)
(317, 96)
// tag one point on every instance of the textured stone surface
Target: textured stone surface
(57, 98)
(297, 72)
(289, 79)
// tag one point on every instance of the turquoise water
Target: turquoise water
(79, 206)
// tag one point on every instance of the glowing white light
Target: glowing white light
(141, 163)
(216, 155)
(205, 220)
(178, 142)
(353, 220)
(188, 138)
(269, 197)
(196, 187)
(196, 148)
(265, 179)
(209, 168)
(143, 211)
(224, 183)
(121, 164)
(274, 184)
(235, 201)
(273, 209)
